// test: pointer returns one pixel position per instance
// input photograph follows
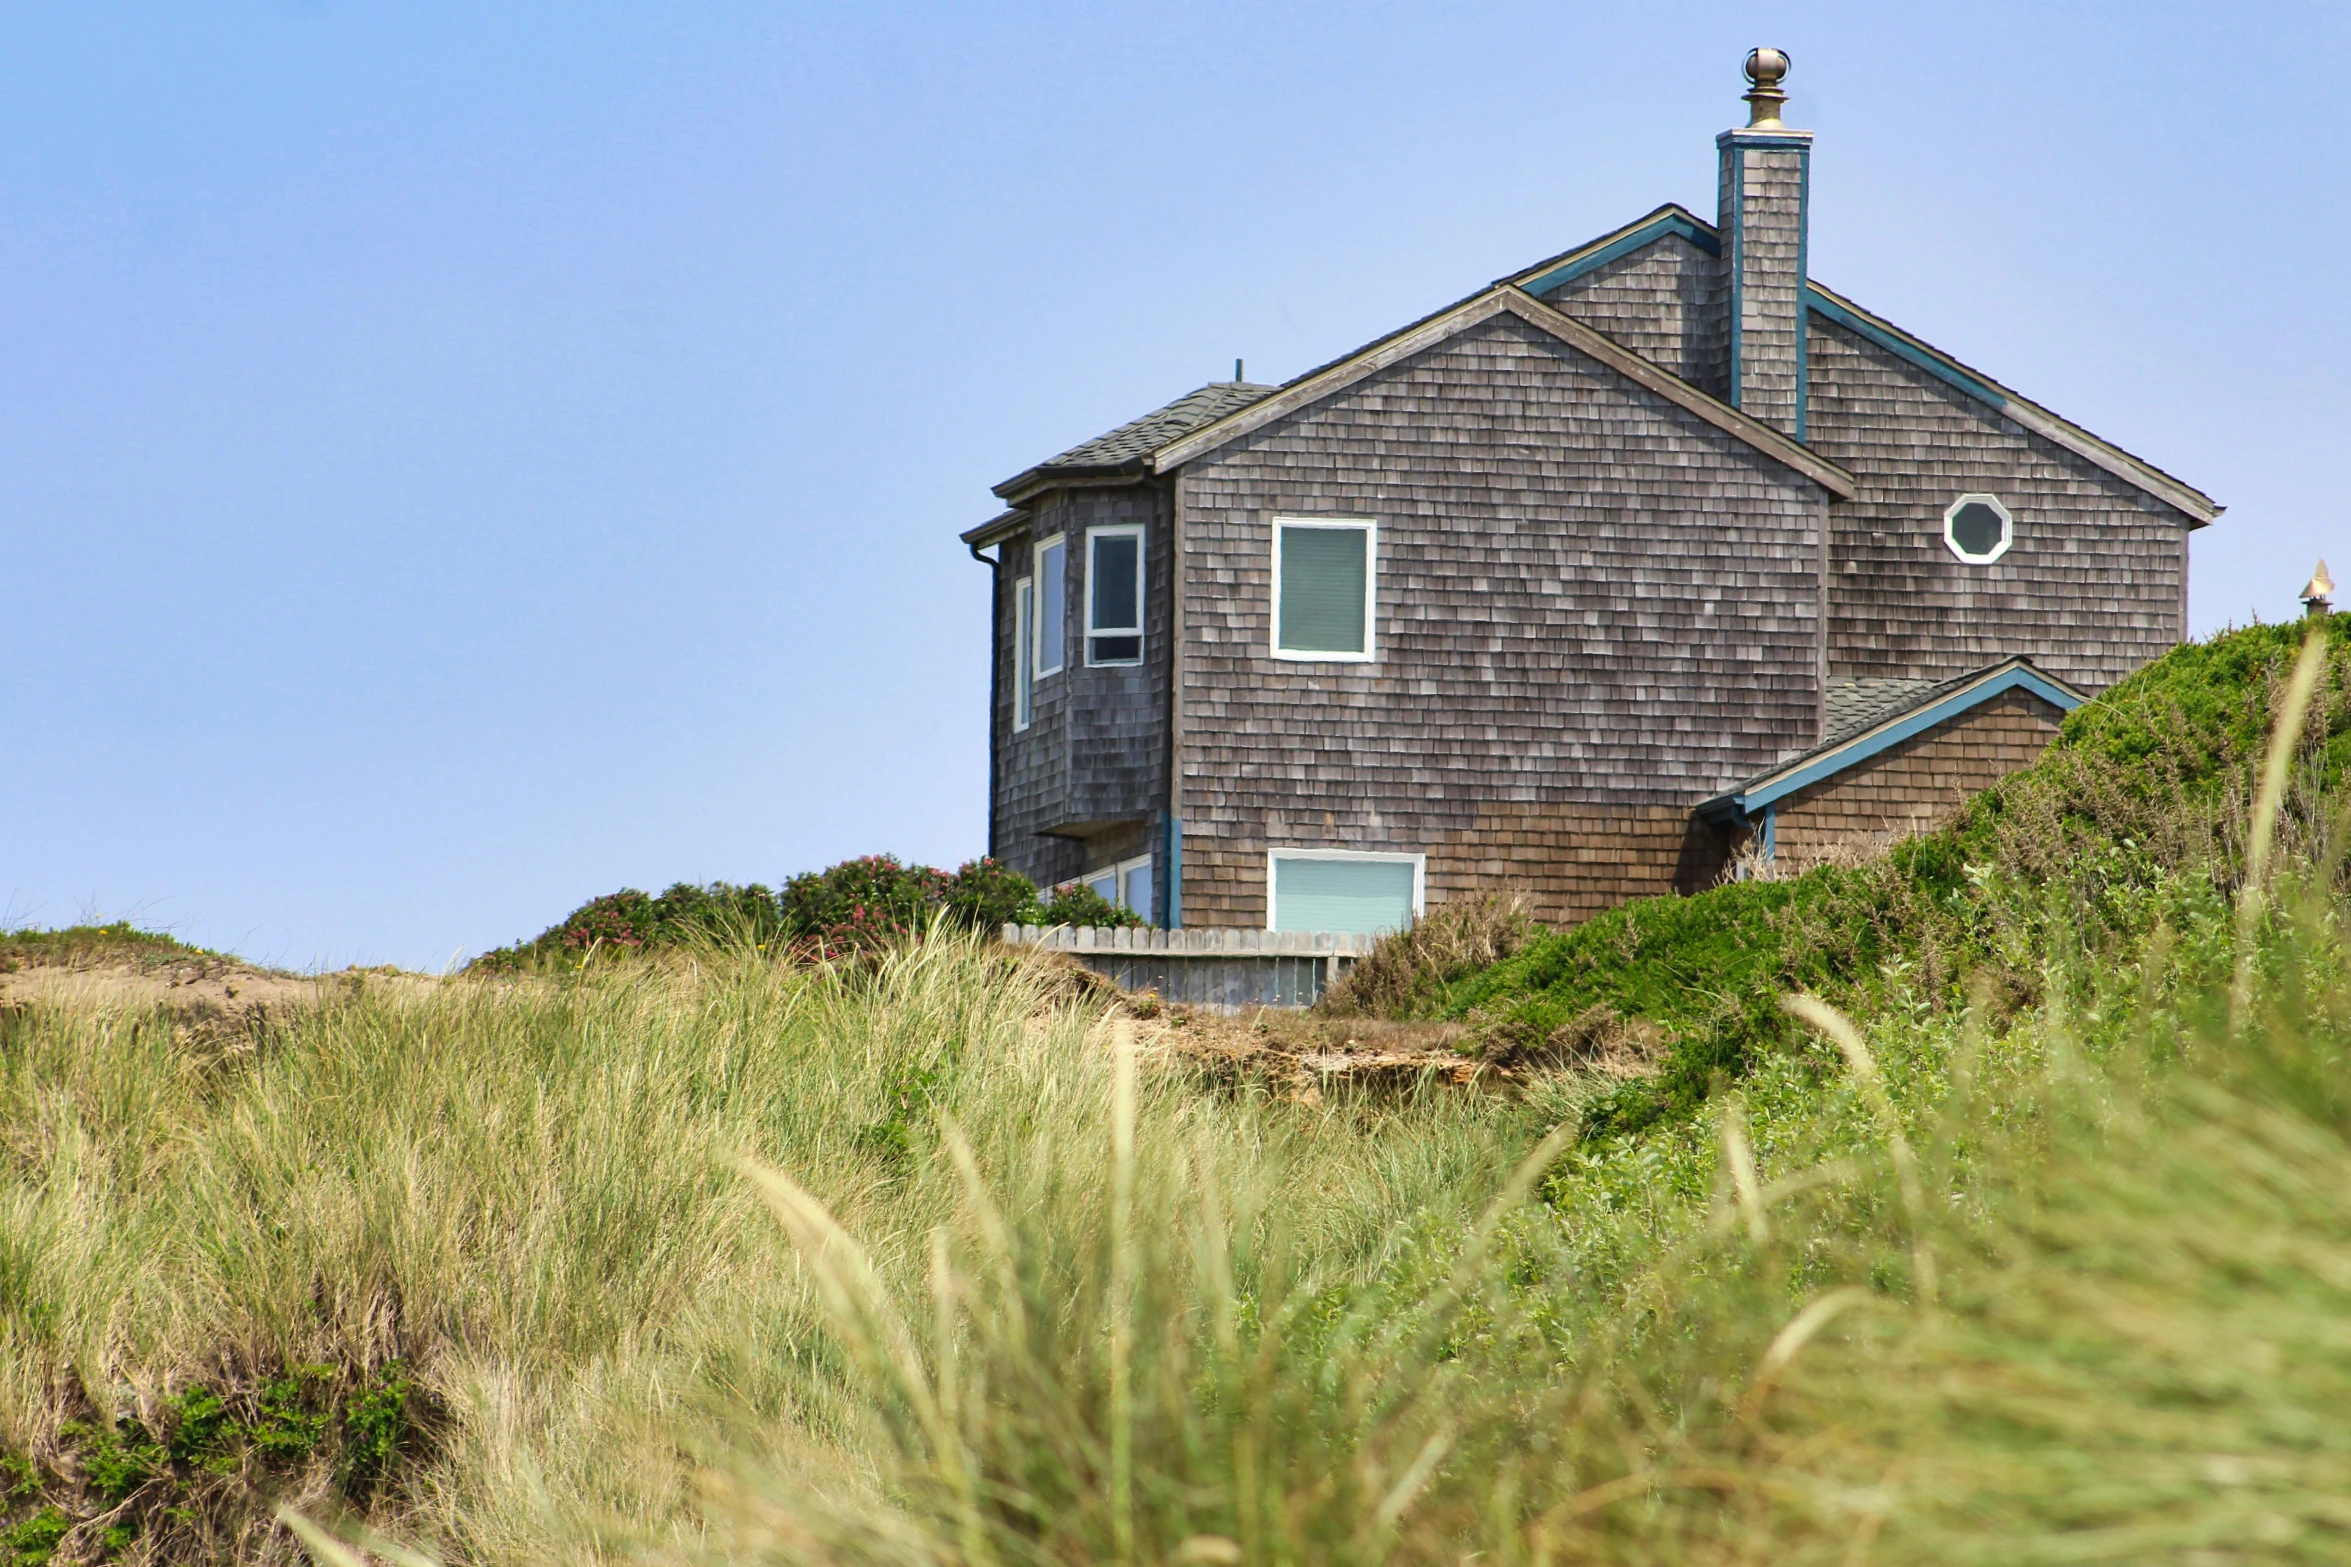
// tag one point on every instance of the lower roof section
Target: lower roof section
(1871, 716)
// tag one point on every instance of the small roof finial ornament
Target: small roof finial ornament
(2318, 592)
(1766, 68)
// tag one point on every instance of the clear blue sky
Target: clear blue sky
(455, 460)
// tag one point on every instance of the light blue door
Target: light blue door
(1367, 897)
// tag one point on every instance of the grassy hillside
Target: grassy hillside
(935, 1259)
(2134, 820)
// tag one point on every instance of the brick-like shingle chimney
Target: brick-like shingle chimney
(1766, 179)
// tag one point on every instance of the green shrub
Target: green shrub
(375, 1425)
(863, 904)
(858, 906)
(1078, 904)
(34, 1542)
(985, 896)
(629, 921)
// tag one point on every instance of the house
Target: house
(1651, 555)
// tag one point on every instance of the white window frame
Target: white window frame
(1951, 520)
(1118, 878)
(1024, 615)
(1371, 596)
(1418, 861)
(1052, 541)
(1115, 530)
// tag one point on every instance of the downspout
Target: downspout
(1171, 902)
(995, 672)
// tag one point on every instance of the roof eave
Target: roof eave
(996, 529)
(1045, 476)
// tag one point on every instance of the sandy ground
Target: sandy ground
(221, 991)
(1303, 1056)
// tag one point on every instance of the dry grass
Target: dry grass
(1450, 940)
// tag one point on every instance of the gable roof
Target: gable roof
(1204, 419)
(1673, 219)
(1866, 717)
(1678, 222)
(2200, 507)
(1128, 448)
(1484, 306)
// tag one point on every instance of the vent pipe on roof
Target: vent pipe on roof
(2318, 592)
(1766, 69)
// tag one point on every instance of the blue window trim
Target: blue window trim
(1647, 234)
(1902, 348)
(1861, 750)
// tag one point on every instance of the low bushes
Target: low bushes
(859, 905)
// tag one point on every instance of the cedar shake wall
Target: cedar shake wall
(1664, 302)
(2093, 587)
(1912, 787)
(1594, 609)
(1093, 760)
(1762, 226)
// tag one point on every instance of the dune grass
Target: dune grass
(938, 1259)
(748, 1262)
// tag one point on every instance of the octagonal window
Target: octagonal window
(1978, 529)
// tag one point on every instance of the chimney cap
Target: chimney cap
(1766, 68)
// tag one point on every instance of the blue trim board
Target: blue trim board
(1902, 348)
(1803, 286)
(1647, 234)
(1894, 734)
(1171, 907)
(1735, 209)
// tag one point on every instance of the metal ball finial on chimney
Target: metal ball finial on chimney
(1766, 69)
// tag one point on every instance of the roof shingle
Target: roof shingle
(1139, 438)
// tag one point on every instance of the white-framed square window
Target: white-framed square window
(1114, 595)
(1024, 613)
(1350, 890)
(1052, 612)
(1325, 589)
(1126, 884)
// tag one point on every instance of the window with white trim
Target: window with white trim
(1325, 577)
(1024, 611)
(1114, 595)
(1126, 884)
(1052, 612)
(1978, 529)
(1344, 890)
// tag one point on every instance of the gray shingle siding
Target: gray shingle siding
(1589, 600)
(1664, 302)
(1095, 752)
(2092, 588)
